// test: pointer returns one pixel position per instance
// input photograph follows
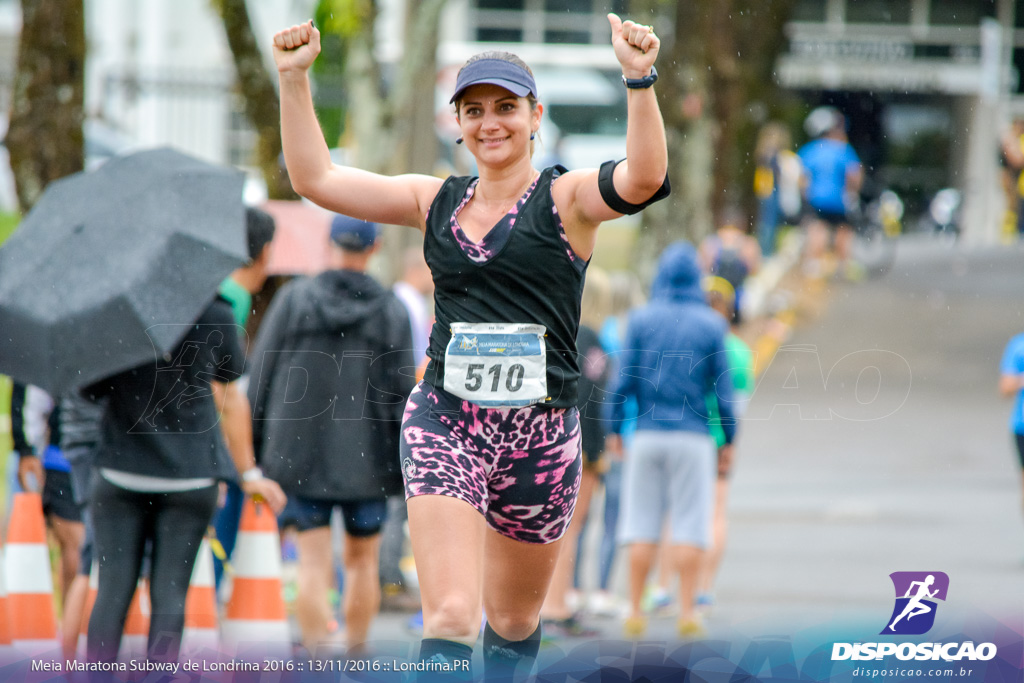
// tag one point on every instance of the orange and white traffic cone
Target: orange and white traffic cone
(136, 623)
(5, 615)
(201, 605)
(256, 612)
(29, 580)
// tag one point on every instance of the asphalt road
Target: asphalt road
(875, 442)
(897, 456)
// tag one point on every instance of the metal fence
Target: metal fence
(200, 112)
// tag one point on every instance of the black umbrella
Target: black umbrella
(111, 266)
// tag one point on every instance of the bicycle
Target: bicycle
(877, 226)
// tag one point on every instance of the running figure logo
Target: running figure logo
(916, 593)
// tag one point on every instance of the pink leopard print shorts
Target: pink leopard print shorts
(520, 467)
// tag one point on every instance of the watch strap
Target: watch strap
(641, 83)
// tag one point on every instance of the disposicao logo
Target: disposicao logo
(914, 615)
(916, 593)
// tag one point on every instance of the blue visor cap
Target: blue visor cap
(352, 233)
(515, 79)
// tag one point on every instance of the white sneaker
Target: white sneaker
(604, 604)
(575, 600)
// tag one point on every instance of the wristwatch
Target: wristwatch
(641, 83)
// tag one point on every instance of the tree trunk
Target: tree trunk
(412, 102)
(261, 102)
(367, 134)
(393, 132)
(717, 65)
(761, 40)
(45, 137)
(683, 96)
(411, 108)
(726, 104)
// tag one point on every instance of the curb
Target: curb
(763, 300)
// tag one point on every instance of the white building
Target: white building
(159, 72)
(936, 83)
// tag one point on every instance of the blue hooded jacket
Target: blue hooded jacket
(674, 354)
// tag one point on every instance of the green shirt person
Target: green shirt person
(741, 363)
(722, 297)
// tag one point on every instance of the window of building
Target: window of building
(960, 13)
(1018, 65)
(567, 37)
(510, 5)
(570, 6)
(549, 21)
(878, 11)
(499, 35)
(809, 10)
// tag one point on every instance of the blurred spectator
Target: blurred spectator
(158, 463)
(42, 468)
(1011, 385)
(731, 254)
(626, 293)
(335, 443)
(239, 288)
(833, 177)
(674, 356)
(777, 179)
(414, 290)
(1013, 159)
(741, 366)
(558, 615)
(79, 435)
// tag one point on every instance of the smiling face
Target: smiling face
(496, 124)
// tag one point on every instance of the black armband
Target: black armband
(612, 198)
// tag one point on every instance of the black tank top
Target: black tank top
(533, 278)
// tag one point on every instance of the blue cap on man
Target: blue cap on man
(353, 234)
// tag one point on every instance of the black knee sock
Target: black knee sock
(502, 656)
(445, 660)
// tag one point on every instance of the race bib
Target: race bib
(497, 364)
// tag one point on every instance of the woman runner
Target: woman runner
(491, 439)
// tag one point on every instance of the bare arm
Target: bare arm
(237, 429)
(1012, 150)
(1009, 385)
(640, 176)
(28, 463)
(752, 254)
(396, 200)
(31, 474)
(854, 178)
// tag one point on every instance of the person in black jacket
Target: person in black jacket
(331, 369)
(159, 460)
